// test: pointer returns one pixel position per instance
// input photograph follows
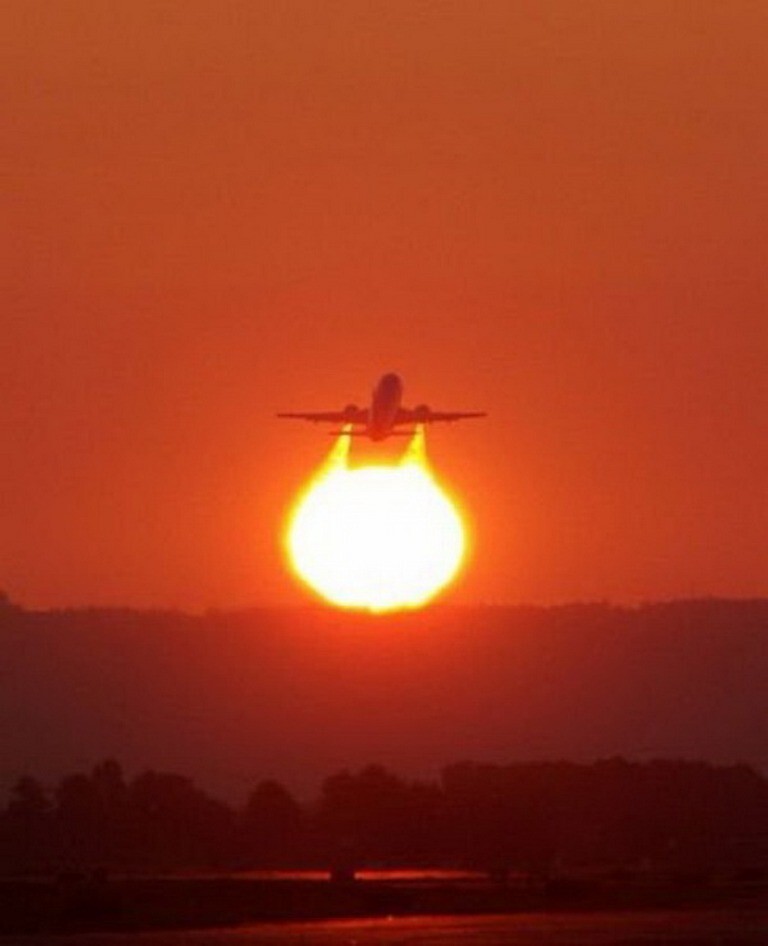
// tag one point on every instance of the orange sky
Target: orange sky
(555, 211)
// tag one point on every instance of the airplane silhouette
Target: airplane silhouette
(384, 415)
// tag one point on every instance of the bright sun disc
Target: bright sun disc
(376, 537)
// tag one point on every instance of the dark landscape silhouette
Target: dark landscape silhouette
(535, 819)
(100, 852)
(604, 757)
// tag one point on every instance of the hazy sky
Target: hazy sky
(555, 211)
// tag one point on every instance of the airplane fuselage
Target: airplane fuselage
(385, 403)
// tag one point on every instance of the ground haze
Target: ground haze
(230, 698)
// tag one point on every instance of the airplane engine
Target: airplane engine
(421, 413)
(351, 411)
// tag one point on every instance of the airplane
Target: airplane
(385, 414)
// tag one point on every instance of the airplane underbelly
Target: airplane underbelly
(382, 420)
(386, 403)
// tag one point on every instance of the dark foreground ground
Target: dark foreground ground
(725, 927)
(55, 909)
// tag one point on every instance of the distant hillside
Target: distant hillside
(230, 698)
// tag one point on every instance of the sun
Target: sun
(377, 537)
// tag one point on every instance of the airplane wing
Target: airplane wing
(421, 415)
(348, 416)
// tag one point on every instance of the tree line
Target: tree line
(532, 817)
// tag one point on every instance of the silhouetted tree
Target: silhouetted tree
(499, 817)
(375, 817)
(178, 825)
(78, 821)
(274, 829)
(94, 817)
(27, 826)
(668, 814)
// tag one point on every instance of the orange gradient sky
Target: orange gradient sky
(554, 211)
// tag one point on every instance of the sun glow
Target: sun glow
(379, 537)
